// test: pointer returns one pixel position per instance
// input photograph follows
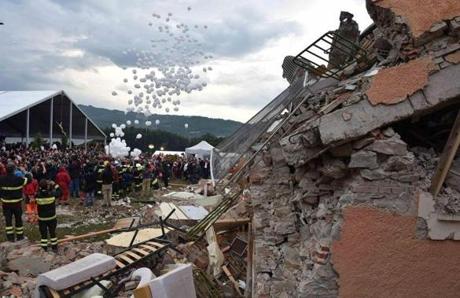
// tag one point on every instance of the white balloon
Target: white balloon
(136, 121)
(148, 123)
(138, 136)
(128, 122)
(157, 122)
(114, 125)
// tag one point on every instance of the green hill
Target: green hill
(197, 126)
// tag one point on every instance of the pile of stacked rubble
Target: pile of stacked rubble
(22, 263)
(367, 145)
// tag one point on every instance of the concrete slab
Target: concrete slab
(442, 86)
(76, 272)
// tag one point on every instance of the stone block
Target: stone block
(363, 159)
(392, 146)
(377, 174)
(443, 85)
(449, 49)
(359, 144)
(453, 58)
(419, 101)
(278, 159)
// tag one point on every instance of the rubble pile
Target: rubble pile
(298, 214)
(22, 263)
(359, 142)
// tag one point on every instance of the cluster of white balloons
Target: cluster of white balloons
(136, 152)
(169, 69)
(117, 147)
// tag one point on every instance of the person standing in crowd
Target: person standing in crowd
(63, 180)
(11, 196)
(127, 180)
(47, 221)
(30, 192)
(146, 180)
(2, 170)
(75, 173)
(165, 172)
(107, 181)
(90, 183)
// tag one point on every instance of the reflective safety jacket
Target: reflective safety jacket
(11, 189)
(46, 203)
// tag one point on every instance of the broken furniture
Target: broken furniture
(177, 283)
(84, 274)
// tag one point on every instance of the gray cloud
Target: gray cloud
(43, 37)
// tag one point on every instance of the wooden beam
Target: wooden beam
(225, 224)
(232, 279)
(447, 156)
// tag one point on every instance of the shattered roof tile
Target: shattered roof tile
(421, 15)
(392, 85)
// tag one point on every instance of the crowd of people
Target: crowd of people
(43, 178)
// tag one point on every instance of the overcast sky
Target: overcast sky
(78, 45)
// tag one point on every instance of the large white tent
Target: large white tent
(51, 114)
(202, 149)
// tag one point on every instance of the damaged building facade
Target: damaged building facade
(361, 197)
(345, 185)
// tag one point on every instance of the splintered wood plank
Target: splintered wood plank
(447, 156)
(133, 255)
(125, 258)
(159, 245)
(152, 249)
(120, 264)
(232, 279)
(141, 251)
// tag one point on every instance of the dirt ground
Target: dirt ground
(76, 219)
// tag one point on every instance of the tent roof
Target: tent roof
(15, 102)
(203, 145)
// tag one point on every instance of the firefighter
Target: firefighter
(11, 196)
(46, 204)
